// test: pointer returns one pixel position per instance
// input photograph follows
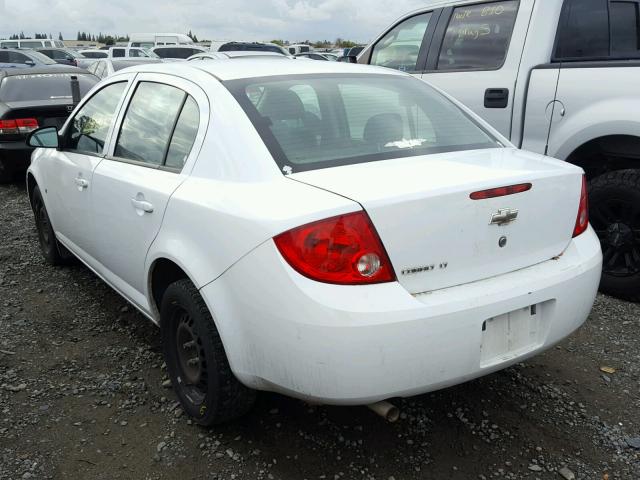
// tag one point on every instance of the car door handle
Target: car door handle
(496, 98)
(142, 205)
(81, 182)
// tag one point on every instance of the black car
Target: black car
(62, 55)
(33, 98)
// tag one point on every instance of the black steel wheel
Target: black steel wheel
(196, 360)
(49, 246)
(614, 203)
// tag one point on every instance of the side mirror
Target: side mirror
(31, 63)
(45, 137)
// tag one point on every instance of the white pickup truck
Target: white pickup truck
(557, 77)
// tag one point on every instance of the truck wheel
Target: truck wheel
(52, 251)
(614, 204)
(196, 360)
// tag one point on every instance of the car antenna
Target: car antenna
(75, 90)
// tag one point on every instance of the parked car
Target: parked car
(150, 40)
(37, 97)
(106, 67)
(177, 51)
(318, 56)
(24, 58)
(248, 47)
(31, 43)
(557, 78)
(63, 56)
(239, 54)
(422, 248)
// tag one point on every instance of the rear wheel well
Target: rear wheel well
(164, 272)
(607, 154)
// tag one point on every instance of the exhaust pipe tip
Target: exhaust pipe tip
(386, 410)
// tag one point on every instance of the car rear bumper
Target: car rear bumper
(360, 344)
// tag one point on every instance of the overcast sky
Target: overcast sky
(294, 20)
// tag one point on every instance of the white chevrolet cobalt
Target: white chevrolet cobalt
(339, 233)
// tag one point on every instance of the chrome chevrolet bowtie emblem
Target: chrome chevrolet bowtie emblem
(504, 216)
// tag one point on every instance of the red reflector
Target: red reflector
(582, 221)
(344, 250)
(500, 191)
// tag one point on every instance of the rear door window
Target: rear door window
(400, 47)
(118, 52)
(90, 126)
(184, 135)
(625, 21)
(583, 30)
(478, 36)
(159, 126)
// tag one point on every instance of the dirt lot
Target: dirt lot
(82, 396)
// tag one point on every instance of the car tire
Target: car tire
(196, 360)
(52, 250)
(614, 204)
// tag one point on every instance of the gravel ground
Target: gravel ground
(83, 394)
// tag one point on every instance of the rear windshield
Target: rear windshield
(310, 122)
(43, 86)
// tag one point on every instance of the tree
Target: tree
(278, 42)
(193, 36)
(109, 40)
(60, 36)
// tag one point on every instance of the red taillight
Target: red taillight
(344, 250)
(582, 221)
(17, 126)
(500, 191)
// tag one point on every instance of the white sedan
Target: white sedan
(337, 233)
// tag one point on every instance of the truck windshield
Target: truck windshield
(309, 122)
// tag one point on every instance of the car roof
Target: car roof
(252, 67)
(41, 70)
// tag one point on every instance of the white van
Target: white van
(31, 43)
(150, 40)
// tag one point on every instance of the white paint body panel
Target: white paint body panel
(282, 331)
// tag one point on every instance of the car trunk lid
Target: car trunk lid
(437, 236)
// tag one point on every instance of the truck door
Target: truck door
(475, 56)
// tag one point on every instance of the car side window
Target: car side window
(583, 30)
(478, 36)
(89, 128)
(399, 48)
(625, 23)
(148, 125)
(118, 52)
(184, 135)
